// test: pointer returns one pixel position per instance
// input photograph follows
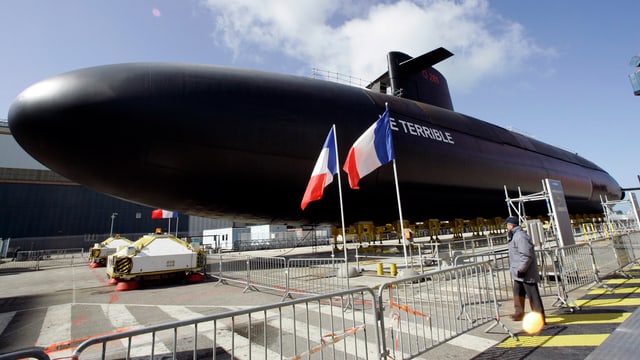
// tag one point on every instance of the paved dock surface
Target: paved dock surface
(58, 308)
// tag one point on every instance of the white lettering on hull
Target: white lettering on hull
(420, 130)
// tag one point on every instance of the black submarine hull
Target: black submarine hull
(241, 144)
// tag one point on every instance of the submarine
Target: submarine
(241, 144)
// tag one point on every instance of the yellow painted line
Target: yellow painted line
(601, 291)
(622, 281)
(608, 302)
(599, 318)
(557, 341)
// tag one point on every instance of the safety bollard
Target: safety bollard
(394, 269)
(380, 269)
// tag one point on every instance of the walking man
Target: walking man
(524, 270)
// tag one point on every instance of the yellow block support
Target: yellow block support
(380, 268)
(434, 229)
(457, 228)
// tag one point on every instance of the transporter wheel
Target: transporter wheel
(195, 278)
(127, 285)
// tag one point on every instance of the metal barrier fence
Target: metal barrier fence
(613, 254)
(550, 273)
(426, 310)
(605, 253)
(316, 276)
(499, 261)
(334, 325)
(289, 276)
(420, 312)
(565, 269)
(444, 253)
(37, 259)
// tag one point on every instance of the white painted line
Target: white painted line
(56, 326)
(472, 342)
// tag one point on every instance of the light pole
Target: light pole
(635, 76)
(113, 216)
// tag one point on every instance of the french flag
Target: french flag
(373, 149)
(163, 214)
(322, 175)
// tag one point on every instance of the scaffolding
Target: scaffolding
(560, 232)
(618, 220)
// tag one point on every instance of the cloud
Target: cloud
(353, 37)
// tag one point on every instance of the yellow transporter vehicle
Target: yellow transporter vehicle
(157, 256)
(99, 252)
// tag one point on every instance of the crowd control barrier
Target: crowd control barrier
(405, 318)
(44, 259)
(334, 325)
(423, 311)
(301, 276)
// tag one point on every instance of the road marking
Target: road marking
(591, 340)
(622, 281)
(56, 327)
(65, 349)
(225, 336)
(120, 317)
(578, 318)
(618, 290)
(608, 302)
(472, 342)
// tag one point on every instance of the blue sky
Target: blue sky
(554, 70)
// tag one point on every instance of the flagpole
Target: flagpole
(395, 177)
(344, 234)
(404, 240)
(177, 219)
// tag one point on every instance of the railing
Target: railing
(38, 259)
(429, 309)
(420, 312)
(408, 316)
(341, 324)
(302, 276)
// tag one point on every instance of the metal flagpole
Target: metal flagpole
(404, 240)
(395, 175)
(344, 234)
(177, 219)
(169, 227)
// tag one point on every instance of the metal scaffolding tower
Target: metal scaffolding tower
(552, 193)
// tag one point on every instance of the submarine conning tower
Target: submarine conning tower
(415, 78)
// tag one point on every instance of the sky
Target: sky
(554, 70)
